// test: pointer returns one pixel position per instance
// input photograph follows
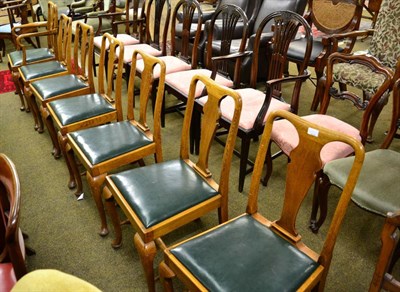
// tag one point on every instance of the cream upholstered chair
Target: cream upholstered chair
(255, 253)
(363, 70)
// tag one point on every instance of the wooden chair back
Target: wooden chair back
(335, 16)
(82, 58)
(147, 87)
(305, 162)
(185, 10)
(157, 11)
(110, 72)
(64, 40)
(211, 114)
(230, 16)
(12, 247)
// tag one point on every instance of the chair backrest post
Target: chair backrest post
(395, 121)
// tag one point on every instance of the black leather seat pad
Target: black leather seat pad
(108, 141)
(34, 71)
(159, 191)
(31, 56)
(297, 48)
(245, 255)
(51, 87)
(75, 109)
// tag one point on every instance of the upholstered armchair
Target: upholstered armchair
(383, 52)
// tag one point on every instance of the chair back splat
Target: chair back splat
(271, 253)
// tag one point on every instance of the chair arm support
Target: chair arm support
(269, 94)
(233, 56)
(333, 40)
(77, 4)
(19, 38)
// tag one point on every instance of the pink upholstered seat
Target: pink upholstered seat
(252, 100)
(284, 135)
(181, 80)
(128, 51)
(126, 39)
(7, 277)
(172, 63)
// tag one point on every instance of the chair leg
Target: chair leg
(375, 115)
(320, 201)
(35, 111)
(244, 155)
(62, 141)
(166, 276)
(147, 252)
(268, 163)
(52, 131)
(112, 212)
(395, 257)
(73, 169)
(95, 184)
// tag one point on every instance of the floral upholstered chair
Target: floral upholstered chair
(366, 70)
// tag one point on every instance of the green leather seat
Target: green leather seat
(376, 190)
(38, 70)
(105, 142)
(32, 55)
(242, 266)
(89, 105)
(51, 87)
(162, 190)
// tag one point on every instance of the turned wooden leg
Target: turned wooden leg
(320, 201)
(56, 152)
(166, 276)
(19, 90)
(73, 169)
(147, 252)
(62, 141)
(112, 212)
(95, 184)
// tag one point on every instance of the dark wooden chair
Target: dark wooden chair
(105, 148)
(160, 198)
(24, 55)
(383, 51)
(329, 17)
(383, 278)
(253, 253)
(256, 104)
(90, 110)
(376, 190)
(78, 81)
(61, 65)
(177, 83)
(12, 248)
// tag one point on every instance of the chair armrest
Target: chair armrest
(103, 14)
(77, 4)
(233, 56)
(270, 87)
(19, 38)
(333, 40)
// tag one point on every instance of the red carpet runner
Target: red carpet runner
(6, 83)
